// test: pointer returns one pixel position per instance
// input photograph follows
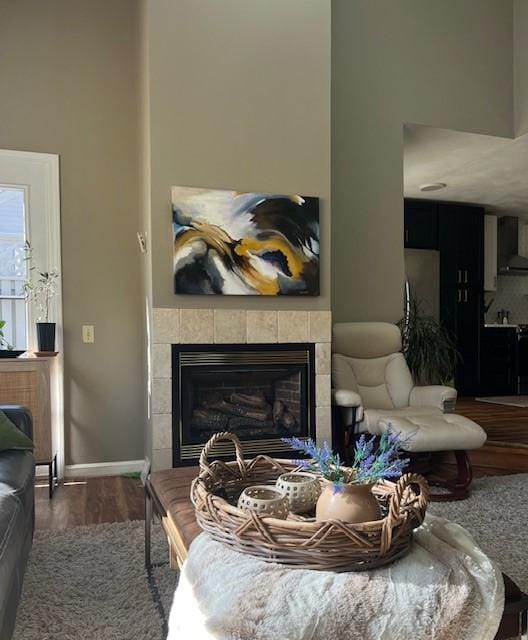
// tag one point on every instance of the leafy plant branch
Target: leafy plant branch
(41, 286)
(429, 350)
(4, 344)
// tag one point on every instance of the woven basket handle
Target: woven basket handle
(414, 481)
(206, 451)
(407, 481)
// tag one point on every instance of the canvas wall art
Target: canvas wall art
(232, 243)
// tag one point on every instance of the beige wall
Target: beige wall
(145, 220)
(69, 85)
(445, 64)
(232, 94)
(239, 98)
(520, 62)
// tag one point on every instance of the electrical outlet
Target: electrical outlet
(88, 334)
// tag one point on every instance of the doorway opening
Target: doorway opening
(466, 261)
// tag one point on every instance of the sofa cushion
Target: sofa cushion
(13, 534)
(17, 474)
(11, 437)
(21, 417)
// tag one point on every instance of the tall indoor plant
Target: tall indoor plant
(428, 348)
(41, 287)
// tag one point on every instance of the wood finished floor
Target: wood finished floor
(502, 423)
(83, 501)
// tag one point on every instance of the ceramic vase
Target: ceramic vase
(353, 503)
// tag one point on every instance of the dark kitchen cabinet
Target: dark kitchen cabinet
(457, 232)
(461, 238)
(461, 243)
(420, 225)
(461, 314)
(499, 361)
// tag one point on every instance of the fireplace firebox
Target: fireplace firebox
(260, 392)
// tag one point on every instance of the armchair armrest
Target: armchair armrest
(350, 405)
(434, 396)
(346, 398)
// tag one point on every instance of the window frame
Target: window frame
(41, 180)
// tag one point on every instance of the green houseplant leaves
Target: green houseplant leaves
(429, 350)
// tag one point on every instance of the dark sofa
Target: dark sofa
(17, 519)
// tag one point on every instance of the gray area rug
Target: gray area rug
(89, 582)
(509, 401)
(496, 515)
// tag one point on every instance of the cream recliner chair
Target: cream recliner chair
(373, 388)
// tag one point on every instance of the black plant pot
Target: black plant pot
(46, 336)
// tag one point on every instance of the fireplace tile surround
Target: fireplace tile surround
(227, 326)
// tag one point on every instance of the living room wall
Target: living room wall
(239, 99)
(520, 65)
(69, 85)
(445, 64)
(232, 95)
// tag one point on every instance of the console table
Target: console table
(167, 495)
(27, 382)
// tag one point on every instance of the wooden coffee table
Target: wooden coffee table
(167, 496)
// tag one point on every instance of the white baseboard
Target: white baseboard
(94, 469)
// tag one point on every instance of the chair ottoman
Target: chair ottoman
(430, 431)
(427, 433)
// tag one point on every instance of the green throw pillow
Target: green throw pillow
(11, 437)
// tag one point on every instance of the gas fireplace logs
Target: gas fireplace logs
(251, 413)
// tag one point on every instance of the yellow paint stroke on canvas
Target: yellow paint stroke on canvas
(248, 246)
(217, 239)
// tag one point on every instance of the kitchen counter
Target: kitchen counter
(501, 326)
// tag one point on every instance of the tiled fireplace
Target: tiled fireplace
(261, 374)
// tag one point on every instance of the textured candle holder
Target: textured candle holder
(302, 490)
(265, 500)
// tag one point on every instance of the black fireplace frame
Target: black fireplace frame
(178, 349)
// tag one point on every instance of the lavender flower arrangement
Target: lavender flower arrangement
(370, 464)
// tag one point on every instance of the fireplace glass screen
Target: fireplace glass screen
(260, 394)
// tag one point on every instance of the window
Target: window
(13, 271)
(30, 210)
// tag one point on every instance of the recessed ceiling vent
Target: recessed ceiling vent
(433, 186)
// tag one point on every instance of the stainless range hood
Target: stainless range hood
(510, 260)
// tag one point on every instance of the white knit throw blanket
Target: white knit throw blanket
(444, 589)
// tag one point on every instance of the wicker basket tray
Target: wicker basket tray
(302, 543)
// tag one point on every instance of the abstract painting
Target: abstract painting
(232, 243)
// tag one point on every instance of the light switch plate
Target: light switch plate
(88, 333)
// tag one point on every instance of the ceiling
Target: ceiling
(477, 169)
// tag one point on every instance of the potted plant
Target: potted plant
(6, 349)
(41, 287)
(347, 491)
(428, 348)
